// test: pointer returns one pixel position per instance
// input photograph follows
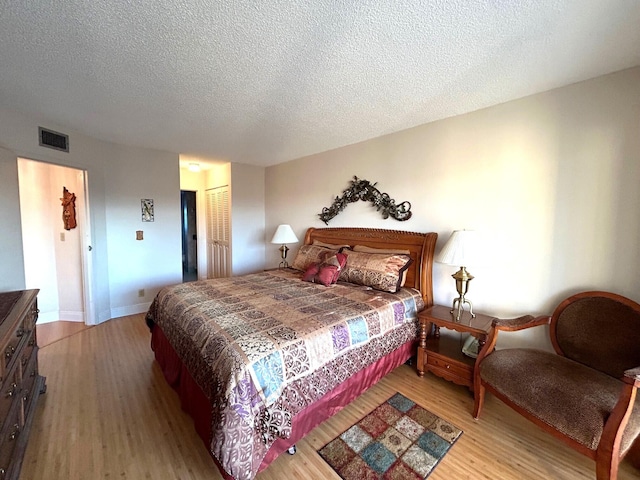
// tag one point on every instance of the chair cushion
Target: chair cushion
(570, 397)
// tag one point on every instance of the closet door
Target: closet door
(218, 232)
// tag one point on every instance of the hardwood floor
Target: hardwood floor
(48, 333)
(108, 413)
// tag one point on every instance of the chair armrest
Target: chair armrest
(632, 376)
(520, 323)
(508, 325)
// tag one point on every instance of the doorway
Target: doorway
(189, 236)
(56, 258)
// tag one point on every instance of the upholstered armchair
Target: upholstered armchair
(584, 394)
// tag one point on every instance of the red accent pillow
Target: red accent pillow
(327, 272)
(327, 275)
(310, 274)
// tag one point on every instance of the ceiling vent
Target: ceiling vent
(51, 139)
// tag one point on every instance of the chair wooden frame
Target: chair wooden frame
(608, 453)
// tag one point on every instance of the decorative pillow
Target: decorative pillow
(376, 270)
(363, 248)
(308, 254)
(327, 275)
(330, 245)
(327, 272)
(310, 274)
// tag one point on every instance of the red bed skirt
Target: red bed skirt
(196, 404)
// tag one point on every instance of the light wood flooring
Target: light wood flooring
(108, 413)
(48, 333)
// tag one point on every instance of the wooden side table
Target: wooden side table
(443, 355)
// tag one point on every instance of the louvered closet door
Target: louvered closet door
(218, 232)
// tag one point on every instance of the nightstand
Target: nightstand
(442, 355)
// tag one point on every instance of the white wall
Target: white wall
(155, 261)
(11, 258)
(247, 218)
(37, 230)
(551, 180)
(68, 243)
(118, 177)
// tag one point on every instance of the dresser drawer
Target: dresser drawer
(9, 350)
(20, 383)
(9, 435)
(457, 372)
(9, 393)
(29, 376)
(26, 352)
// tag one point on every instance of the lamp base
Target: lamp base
(283, 250)
(462, 278)
(460, 301)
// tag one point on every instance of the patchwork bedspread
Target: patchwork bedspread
(262, 347)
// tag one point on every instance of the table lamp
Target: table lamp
(462, 249)
(284, 234)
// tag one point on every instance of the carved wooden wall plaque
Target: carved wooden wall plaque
(68, 209)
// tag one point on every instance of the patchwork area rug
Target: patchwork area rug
(398, 440)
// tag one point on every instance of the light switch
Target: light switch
(62, 236)
(139, 235)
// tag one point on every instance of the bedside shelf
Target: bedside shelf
(450, 347)
(441, 354)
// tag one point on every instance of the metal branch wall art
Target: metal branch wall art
(365, 190)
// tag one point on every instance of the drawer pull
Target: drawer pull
(12, 390)
(20, 332)
(448, 366)
(10, 351)
(32, 342)
(2, 472)
(16, 431)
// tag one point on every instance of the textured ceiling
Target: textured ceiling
(263, 82)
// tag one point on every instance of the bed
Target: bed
(259, 360)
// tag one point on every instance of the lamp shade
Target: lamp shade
(284, 234)
(462, 249)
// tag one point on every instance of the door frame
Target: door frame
(86, 256)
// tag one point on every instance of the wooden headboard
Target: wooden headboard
(420, 245)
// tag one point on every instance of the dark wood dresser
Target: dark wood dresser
(20, 383)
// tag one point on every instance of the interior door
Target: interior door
(218, 232)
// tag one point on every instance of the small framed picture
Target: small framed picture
(147, 209)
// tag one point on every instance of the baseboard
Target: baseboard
(57, 315)
(68, 316)
(130, 310)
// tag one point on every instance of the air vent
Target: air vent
(51, 139)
